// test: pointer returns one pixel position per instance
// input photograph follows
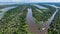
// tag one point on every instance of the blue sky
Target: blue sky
(29, 0)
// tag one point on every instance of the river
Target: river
(34, 27)
(8, 8)
(5, 10)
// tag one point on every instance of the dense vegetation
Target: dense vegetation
(42, 15)
(55, 25)
(14, 20)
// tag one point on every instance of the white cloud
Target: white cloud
(29, 0)
(44, 0)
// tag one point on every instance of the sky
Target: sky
(29, 1)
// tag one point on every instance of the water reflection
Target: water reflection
(29, 17)
(7, 8)
(1, 14)
(41, 7)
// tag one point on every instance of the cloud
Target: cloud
(29, 0)
(43, 0)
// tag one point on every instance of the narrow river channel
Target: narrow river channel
(34, 27)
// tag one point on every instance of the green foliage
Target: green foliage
(55, 26)
(14, 21)
(41, 15)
